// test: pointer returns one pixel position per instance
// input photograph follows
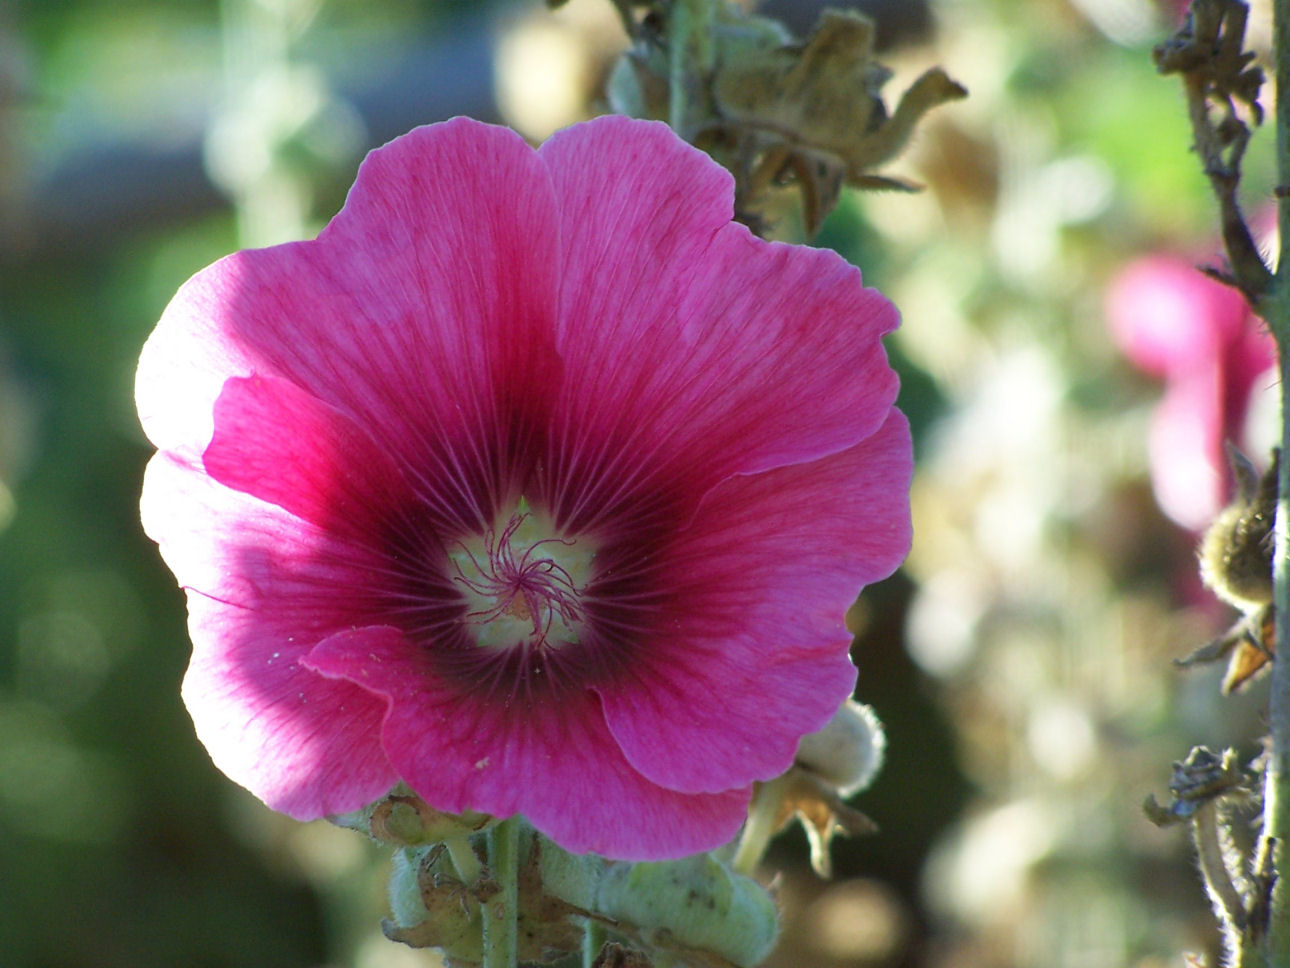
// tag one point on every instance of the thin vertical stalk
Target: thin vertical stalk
(1281, 55)
(501, 914)
(1276, 806)
(1213, 856)
(760, 826)
(1275, 310)
(678, 40)
(593, 939)
(690, 56)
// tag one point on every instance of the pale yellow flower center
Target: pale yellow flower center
(523, 583)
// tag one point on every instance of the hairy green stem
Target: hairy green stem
(1213, 858)
(501, 913)
(1276, 805)
(1281, 53)
(1276, 312)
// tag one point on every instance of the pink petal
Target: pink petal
(547, 756)
(753, 651)
(263, 587)
(1185, 448)
(692, 348)
(276, 442)
(1168, 316)
(1248, 366)
(424, 312)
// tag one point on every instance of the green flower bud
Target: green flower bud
(573, 878)
(848, 751)
(407, 910)
(402, 818)
(432, 909)
(695, 902)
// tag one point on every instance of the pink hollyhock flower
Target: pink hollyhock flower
(533, 481)
(1173, 321)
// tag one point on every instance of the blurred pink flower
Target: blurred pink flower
(534, 482)
(1174, 322)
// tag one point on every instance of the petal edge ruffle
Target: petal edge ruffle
(712, 352)
(755, 622)
(553, 761)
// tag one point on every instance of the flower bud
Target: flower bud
(848, 751)
(431, 909)
(402, 818)
(695, 902)
(406, 907)
(573, 878)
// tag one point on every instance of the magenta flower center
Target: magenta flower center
(523, 584)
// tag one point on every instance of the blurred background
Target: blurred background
(1069, 375)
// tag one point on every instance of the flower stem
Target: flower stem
(678, 43)
(501, 914)
(593, 939)
(1228, 901)
(1276, 806)
(1281, 50)
(690, 55)
(1275, 310)
(760, 826)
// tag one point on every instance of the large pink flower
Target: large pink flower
(534, 482)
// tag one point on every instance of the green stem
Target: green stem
(1276, 312)
(690, 57)
(1228, 902)
(678, 41)
(1276, 806)
(501, 914)
(1281, 55)
(760, 826)
(593, 939)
